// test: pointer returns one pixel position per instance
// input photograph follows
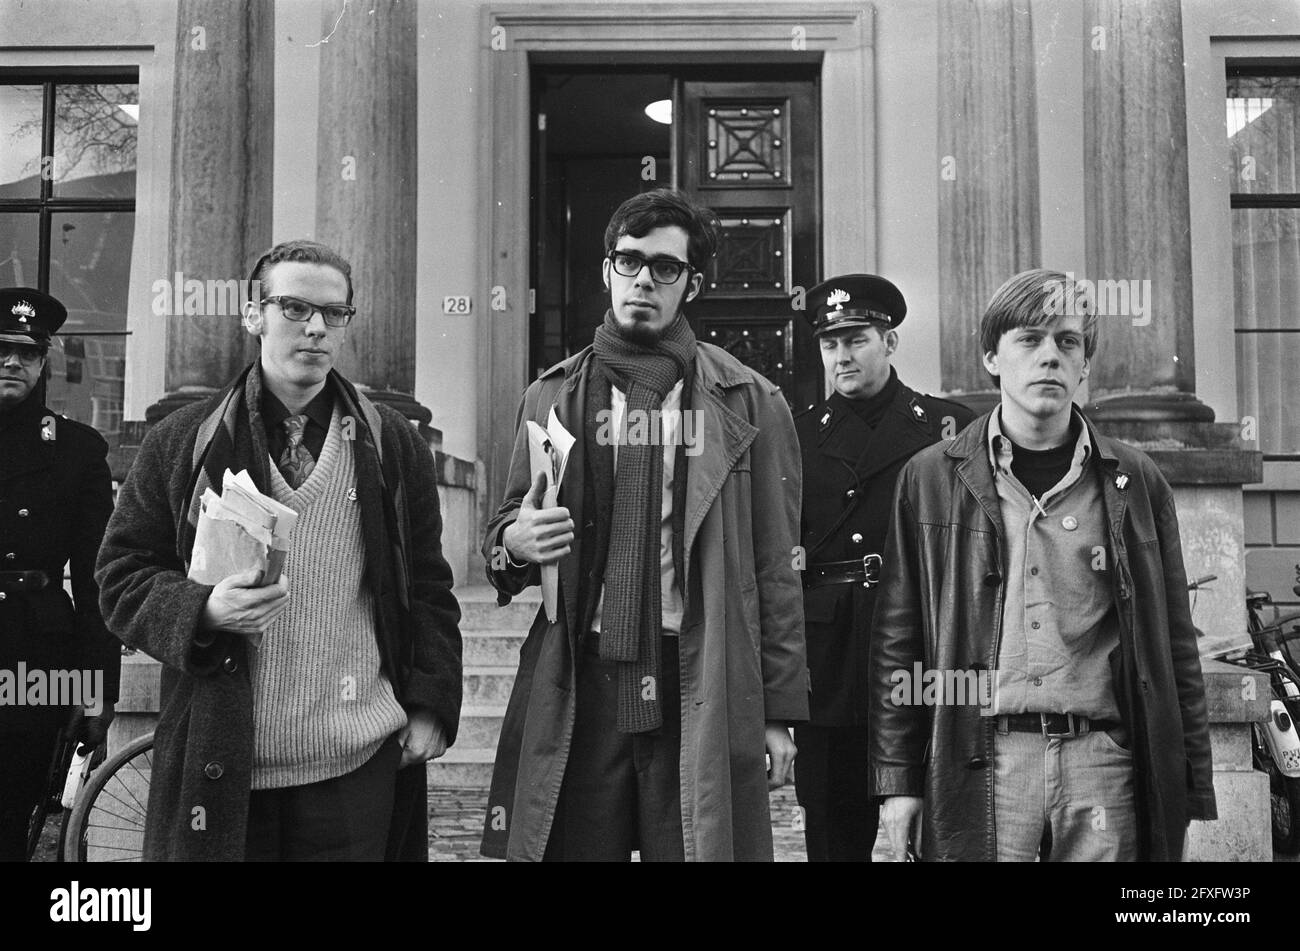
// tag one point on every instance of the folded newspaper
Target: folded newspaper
(548, 452)
(238, 530)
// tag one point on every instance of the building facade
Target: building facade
(463, 154)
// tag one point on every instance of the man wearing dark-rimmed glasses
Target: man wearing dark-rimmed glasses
(652, 715)
(289, 710)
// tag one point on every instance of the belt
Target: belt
(15, 582)
(1053, 725)
(864, 571)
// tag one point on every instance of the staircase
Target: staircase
(492, 637)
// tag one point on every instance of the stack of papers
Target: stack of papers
(238, 530)
(548, 452)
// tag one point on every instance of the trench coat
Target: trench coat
(203, 746)
(941, 605)
(741, 650)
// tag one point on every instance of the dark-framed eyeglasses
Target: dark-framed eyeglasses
(663, 270)
(297, 309)
(28, 354)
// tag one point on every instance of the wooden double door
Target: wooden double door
(743, 141)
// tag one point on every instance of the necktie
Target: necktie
(296, 461)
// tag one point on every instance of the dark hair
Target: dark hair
(1033, 298)
(302, 251)
(662, 208)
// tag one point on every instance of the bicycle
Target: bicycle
(1275, 749)
(106, 822)
(71, 763)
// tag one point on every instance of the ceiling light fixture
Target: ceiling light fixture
(661, 110)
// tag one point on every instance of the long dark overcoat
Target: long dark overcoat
(742, 647)
(203, 754)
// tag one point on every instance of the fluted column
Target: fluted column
(220, 218)
(366, 187)
(988, 188)
(1137, 215)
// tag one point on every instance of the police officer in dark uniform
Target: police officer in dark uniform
(55, 500)
(853, 445)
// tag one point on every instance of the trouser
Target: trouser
(621, 791)
(833, 787)
(25, 758)
(345, 819)
(1063, 800)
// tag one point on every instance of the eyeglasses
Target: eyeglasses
(663, 270)
(297, 309)
(27, 355)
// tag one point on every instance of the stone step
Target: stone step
(491, 648)
(480, 727)
(461, 767)
(488, 686)
(480, 612)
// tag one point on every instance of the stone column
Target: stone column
(222, 133)
(1137, 212)
(366, 187)
(988, 188)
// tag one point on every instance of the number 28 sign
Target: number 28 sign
(458, 304)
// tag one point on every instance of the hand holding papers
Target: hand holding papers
(548, 453)
(238, 530)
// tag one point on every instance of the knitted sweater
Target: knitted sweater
(321, 707)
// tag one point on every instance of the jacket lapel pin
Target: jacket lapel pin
(919, 412)
(352, 495)
(825, 420)
(1121, 481)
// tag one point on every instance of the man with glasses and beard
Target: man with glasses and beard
(291, 711)
(56, 495)
(653, 714)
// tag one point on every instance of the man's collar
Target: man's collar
(999, 445)
(319, 410)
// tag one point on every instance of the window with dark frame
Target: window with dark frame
(68, 141)
(1263, 125)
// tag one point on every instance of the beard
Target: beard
(644, 334)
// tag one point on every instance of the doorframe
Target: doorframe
(513, 36)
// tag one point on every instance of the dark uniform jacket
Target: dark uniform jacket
(56, 495)
(849, 473)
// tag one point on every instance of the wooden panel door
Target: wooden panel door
(750, 151)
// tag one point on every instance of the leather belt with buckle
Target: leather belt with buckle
(864, 571)
(1053, 725)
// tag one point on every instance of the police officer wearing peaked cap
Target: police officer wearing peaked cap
(55, 499)
(853, 444)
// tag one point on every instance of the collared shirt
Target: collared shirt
(318, 411)
(1059, 623)
(670, 435)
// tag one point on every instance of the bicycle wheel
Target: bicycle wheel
(106, 823)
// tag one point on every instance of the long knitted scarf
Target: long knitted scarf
(631, 617)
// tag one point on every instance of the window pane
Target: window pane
(1262, 113)
(90, 267)
(1266, 267)
(95, 128)
(87, 381)
(1266, 371)
(19, 235)
(20, 141)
